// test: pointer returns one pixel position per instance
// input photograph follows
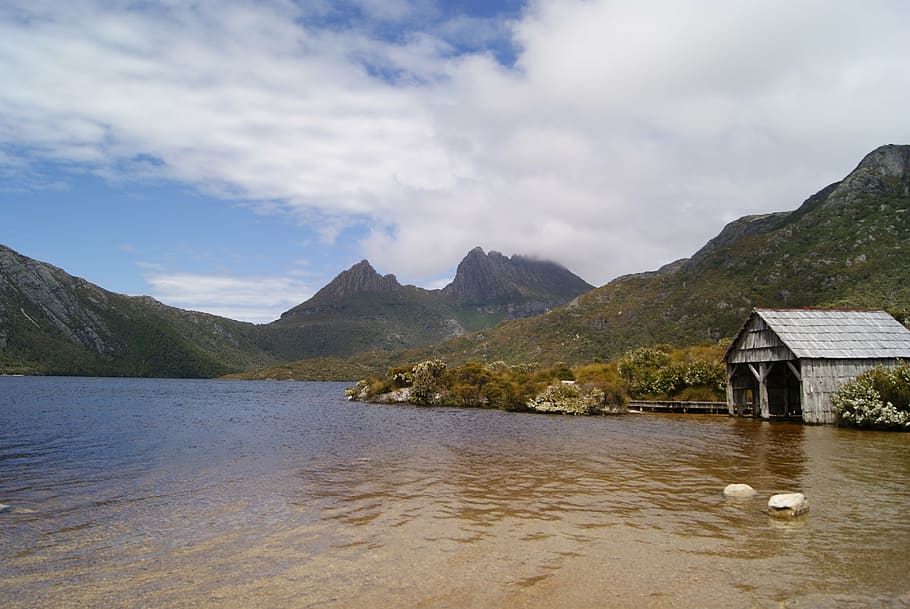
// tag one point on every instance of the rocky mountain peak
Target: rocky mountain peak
(360, 278)
(884, 171)
(483, 277)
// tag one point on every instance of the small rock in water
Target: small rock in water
(739, 490)
(788, 504)
(5, 508)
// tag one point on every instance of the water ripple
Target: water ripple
(222, 494)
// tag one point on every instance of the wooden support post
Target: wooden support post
(764, 369)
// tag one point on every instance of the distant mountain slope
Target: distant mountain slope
(847, 245)
(361, 310)
(54, 323)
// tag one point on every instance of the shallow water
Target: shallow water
(171, 493)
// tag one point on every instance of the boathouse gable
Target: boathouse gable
(787, 363)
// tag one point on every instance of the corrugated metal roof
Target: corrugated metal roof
(839, 334)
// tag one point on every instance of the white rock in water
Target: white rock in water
(788, 504)
(739, 490)
(5, 508)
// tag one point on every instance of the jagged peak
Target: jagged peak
(884, 170)
(481, 277)
(361, 277)
(890, 159)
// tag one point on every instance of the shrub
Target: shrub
(429, 379)
(564, 398)
(876, 399)
(659, 372)
(572, 398)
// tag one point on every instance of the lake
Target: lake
(241, 494)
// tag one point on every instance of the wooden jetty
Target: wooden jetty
(684, 407)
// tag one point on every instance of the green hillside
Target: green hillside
(846, 246)
(54, 323)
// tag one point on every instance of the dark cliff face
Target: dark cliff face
(360, 278)
(481, 277)
(491, 278)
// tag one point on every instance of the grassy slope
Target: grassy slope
(145, 339)
(855, 255)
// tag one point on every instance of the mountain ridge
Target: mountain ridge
(361, 310)
(54, 323)
(845, 245)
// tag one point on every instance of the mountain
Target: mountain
(848, 245)
(845, 246)
(361, 310)
(54, 323)
(527, 285)
(361, 278)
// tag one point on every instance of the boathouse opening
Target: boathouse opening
(784, 391)
(744, 390)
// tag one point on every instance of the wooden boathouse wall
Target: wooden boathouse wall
(821, 378)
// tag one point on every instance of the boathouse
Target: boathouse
(786, 363)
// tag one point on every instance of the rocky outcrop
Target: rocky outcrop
(884, 171)
(482, 278)
(47, 294)
(493, 278)
(360, 278)
(741, 228)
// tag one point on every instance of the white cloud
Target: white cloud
(624, 137)
(254, 299)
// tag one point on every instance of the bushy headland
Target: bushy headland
(657, 372)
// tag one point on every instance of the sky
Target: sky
(233, 156)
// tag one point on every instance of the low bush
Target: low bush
(876, 399)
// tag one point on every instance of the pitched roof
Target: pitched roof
(838, 334)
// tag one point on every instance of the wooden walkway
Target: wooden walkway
(686, 407)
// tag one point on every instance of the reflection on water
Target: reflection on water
(221, 494)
